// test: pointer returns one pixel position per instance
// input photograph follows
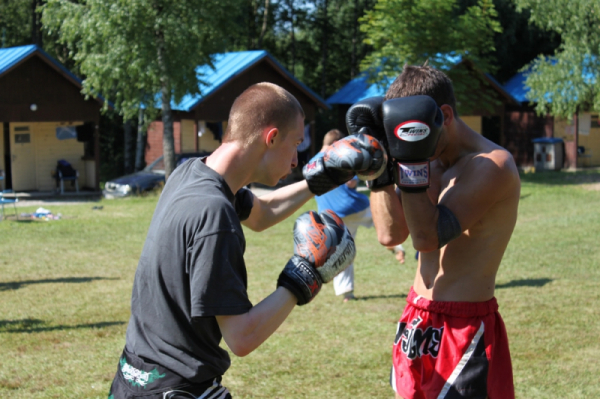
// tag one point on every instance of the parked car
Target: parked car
(150, 178)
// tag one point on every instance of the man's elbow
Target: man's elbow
(255, 226)
(425, 243)
(390, 240)
(240, 349)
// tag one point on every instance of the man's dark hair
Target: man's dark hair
(423, 80)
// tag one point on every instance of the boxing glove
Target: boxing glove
(365, 117)
(323, 247)
(359, 154)
(412, 126)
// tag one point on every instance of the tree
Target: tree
(441, 32)
(15, 23)
(520, 42)
(126, 48)
(568, 81)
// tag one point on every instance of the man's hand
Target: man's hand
(323, 248)
(365, 117)
(412, 126)
(360, 155)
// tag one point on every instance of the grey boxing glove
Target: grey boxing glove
(323, 247)
(365, 117)
(359, 154)
(413, 126)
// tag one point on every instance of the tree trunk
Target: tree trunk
(140, 142)
(324, 54)
(264, 24)
(167, 117)
(252, 10)
(128, 140)
(354, 41)
(36, 23)
(293, 38)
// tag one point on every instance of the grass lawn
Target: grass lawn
(65, 288)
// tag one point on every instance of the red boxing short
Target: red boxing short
(451, 350)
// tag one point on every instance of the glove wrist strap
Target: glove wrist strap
(301, 279)
(413, 176)
(384, 180)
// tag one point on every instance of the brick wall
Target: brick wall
(154, 146)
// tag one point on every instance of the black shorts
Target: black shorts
(139, 379)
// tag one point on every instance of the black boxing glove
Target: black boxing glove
(412, 126)
(365, 117)
(323, 247)
(366, 114)
(359, 154)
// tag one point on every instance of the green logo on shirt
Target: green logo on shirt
(138, 378)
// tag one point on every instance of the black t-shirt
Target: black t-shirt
(191, 270)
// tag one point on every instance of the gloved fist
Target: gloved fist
(412, 126)
(359, 154)
(365, 117)
(323, 247)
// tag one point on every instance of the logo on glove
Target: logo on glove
(412, 131)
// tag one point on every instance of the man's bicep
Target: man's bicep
(256, 216)
(476, 191)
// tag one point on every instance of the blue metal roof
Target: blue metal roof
(12, 56)
(515, 86)
(227, 66)
(357, 89)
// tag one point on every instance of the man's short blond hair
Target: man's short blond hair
(332, 136)
(260, 106)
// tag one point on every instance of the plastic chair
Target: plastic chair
(5, 201)
(64, 171)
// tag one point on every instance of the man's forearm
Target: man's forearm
(277, 205)
(421, 218)
(246, 332)
(388, 217)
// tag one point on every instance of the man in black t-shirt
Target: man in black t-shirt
(190, 286)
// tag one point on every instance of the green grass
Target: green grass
(65, 288)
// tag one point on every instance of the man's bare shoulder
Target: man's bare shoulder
(496, 166)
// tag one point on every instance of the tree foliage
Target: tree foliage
(567, 81)
(520, 42)
(129, 50)
(15, 23)
(441, 32)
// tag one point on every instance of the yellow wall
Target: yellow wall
(2, 166)
(564, 129)
(588, 137)
(474, 122)
(47, 150)
(188, 136)
(207, 142)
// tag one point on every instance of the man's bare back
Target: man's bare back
(483, 183)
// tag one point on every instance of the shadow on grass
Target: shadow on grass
(15, 285)
(528, 282)
(37, 325)
(369, 297)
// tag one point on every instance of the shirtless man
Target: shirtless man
(458, 197)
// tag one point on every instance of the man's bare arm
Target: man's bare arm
(272, 208)
(484, 181)
(246, 332)
(388, 217)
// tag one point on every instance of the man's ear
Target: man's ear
(448, 114)
(270, 136)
